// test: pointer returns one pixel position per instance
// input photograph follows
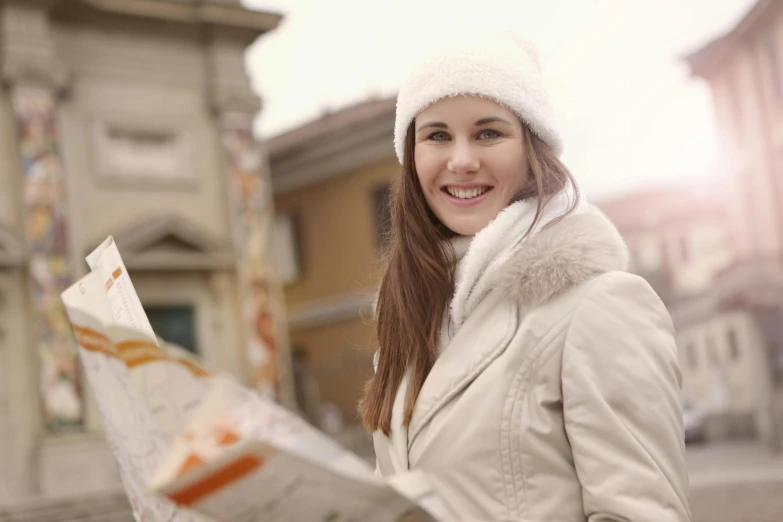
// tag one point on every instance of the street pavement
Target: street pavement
(735, 482)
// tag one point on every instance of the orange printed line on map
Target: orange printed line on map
(94, 341)
(135, 353)
(194, 368)
(117, 273)
(218, 479)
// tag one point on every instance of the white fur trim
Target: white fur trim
(565, 255)
(502, 68)
(497, 243)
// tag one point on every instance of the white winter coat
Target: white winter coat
(557, 398)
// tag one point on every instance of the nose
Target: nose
(463, 160)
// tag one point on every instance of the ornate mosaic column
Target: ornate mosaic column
(250, 201)
(46, 234)
(36, 78)
(252, 215)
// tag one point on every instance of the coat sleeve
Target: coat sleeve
(622, 405)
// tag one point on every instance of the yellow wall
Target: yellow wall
(340, 357)
(340, 259)
(338, 233)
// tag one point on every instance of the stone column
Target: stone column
(35, 79)
(20, 406)
(252, 215)
(7, 435)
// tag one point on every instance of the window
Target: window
(382, 201)
(712, 351)
(734, 350)
(175, 324)
(286, 251)
(774, 67)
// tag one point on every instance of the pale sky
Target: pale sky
(630, 113)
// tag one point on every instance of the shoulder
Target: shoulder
(619, 295)
(601, 310)
(621, 330)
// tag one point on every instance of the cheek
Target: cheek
(426, 169)
(512, 173)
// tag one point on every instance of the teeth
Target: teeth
(466, 194)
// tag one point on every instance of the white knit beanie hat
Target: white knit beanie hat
(501, 67)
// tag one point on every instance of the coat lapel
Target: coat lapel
(466, 356)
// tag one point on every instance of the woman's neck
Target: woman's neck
(460, 245)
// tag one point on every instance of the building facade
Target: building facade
(676, 236)
(744, 69)
(130, 119)
(332, 179)
(678, 239)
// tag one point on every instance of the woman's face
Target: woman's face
(471, 160)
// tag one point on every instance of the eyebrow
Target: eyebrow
(436, 124)
(492, 119)
(478, 123)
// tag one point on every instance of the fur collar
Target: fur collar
(492, 248)
(561, 256)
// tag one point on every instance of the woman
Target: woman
(521, 368)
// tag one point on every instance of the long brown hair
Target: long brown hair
(419, 280)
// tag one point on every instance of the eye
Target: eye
(488, 134)
(438, 136)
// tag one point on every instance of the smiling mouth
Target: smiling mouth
(463, 193)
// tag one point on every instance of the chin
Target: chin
(466, 227)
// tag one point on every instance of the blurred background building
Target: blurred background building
(680, 241)
(744, 69)
(134, 119)
(332, 181)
